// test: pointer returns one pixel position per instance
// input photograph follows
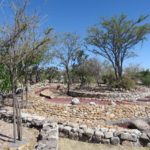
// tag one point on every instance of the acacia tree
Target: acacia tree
(115, 38)
(17, 46)
(66, 53)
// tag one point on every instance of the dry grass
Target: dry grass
(66, 144)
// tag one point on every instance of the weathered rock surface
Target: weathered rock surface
(140, 124)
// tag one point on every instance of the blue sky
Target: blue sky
(77, 15)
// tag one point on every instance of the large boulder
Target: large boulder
(140, 125)
(47, 93)
(75, 101)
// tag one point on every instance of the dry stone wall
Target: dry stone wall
(49, 132)
(112, 95)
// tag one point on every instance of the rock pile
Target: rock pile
(48, 137)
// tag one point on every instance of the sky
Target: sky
(78, 15)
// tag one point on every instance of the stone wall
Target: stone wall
(48, 131)
(104, 135)
(111, 95)
(48, 137)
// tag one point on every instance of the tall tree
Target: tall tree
(66, 53)
(115, 38)
(14, 50)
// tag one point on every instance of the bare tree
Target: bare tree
(66, 52)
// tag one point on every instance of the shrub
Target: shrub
(125, 82)
(146, 80)
(108, 78)
(144, 76)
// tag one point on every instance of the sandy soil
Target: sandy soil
(6, 136)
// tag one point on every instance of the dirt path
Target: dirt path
(6, 137)
(66, 144)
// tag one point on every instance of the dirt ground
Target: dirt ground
(66, 144)
(6, 137)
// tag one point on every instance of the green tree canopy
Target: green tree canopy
(115, 38)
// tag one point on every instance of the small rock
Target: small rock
(108, 135)
(105, 141)
(67, 129)
(92, 103)
(115, 140)
(89, 132)
(129, 137)
(99, 134)
(75, 101)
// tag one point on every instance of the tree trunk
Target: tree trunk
(68, 80)
(14, 116)
(19, 128)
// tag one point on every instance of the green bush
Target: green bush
(108, 78)
(146, 80)
(144, 77)
(124, 83)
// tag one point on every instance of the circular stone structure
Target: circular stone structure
(105, 98)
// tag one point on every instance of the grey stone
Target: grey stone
(108, 135)
(75, 101)
(144, 137)
(83, 127)
(117, 133)
(74, 130)
(105, 141)
(104, 129)
(99, 134)
(89, 132)
(67, 129)
(92, 103)
(137, 132)
(61, 127)
(140, 124)
(115, 140)
(73, 135)
(129, 137)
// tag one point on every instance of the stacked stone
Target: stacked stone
(48, 138)
(115, 95)
(104, 135)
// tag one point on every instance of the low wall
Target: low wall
(48, 131)
(111, 95)
(105, 136)
(48, 136)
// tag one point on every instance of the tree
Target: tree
(115, 38)
(16, 46)
(52, 73)
(66, 52)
